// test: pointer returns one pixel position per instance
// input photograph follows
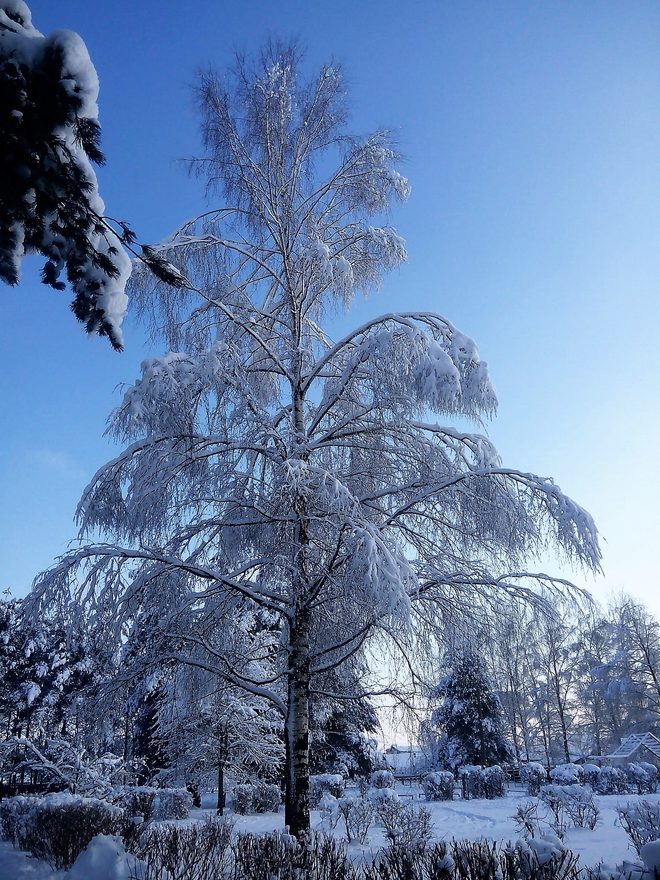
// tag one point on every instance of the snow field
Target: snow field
(472, 820)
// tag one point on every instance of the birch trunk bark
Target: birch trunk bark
(296, 809)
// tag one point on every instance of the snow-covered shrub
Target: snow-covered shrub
(382, 796)
(438, 786)
(528, 820)
(58, 827)
(137, 801)
(197, 851)
(363, 785)
(543, 857)
(639, 778)
(640, 821)
(258, 797)
(172, 803)
(156, 803)
(571, 805)
(318, 785)
(493, 781)
(267, 797)
(243, 798)
(14, 812)
(611, 780)
(328, 807)
(566, 774)
(279, 856)
(653, 774)
(590, 774)
(482, 782)
(533, 775)
(382, 779)
(358, 814)
(539, 859)
(471, 781)
(404, 825)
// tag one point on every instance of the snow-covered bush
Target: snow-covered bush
(528, 820)
(358, 814)
(195, 851)
(533, 775)
(640, 821)
(438, 786)
(640, 777)
(258, 797)
(611, 780)
(156, 803)
(571, 805)
(539, 859)
(482, 782)
(543, 857)
(381, 796)
(590, 774)
(242, 795)
(652, 773)
(382, 779)
(493, 781)
(281, 856)
(58, 827)
(404, 825)
(267, 797)
(471, 781)
(330, 782)
(172, 803)
(328, 807)
(566, 774)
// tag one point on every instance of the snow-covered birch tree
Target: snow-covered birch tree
(316, 479)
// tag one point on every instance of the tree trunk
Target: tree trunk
(296, 805)
(220, 804)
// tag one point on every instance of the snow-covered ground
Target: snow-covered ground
(475, 819)
(469, 820)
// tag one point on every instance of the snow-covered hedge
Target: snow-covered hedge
(590, 773)
(611, 780)
(438, 786)
(325, 782)
(382, 779)
(257, 797)
(642, 777)
(566, 774)
(58, 827)
(533, 775)
(482, 782)
(638, 778)
(493, 782)
(156, 803)
(183, 851)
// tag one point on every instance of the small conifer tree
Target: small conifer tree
(469, 718)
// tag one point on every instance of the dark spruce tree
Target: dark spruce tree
(469, 719)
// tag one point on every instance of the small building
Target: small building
(633, 748)
(405, 760)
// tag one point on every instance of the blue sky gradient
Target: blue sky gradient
(531, 134)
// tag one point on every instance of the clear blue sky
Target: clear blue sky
(532, 135)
